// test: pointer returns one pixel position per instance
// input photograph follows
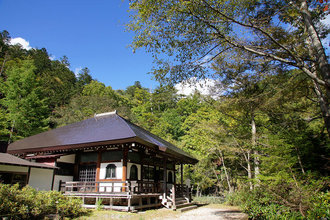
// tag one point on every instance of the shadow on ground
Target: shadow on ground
(230, 214)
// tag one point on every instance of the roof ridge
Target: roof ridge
(105, 114)
(127, 124)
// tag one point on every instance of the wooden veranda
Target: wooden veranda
(128, 195)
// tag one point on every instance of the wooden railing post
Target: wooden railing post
(60, 186)
(173, 197)
(129, 187)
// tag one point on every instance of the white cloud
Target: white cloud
(326, 21)
(52, 57)
(18, 40)
(77, 70)
(204, 86)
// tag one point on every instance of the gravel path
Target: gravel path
(206, 213)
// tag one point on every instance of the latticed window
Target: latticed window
(133, 175)
(87, 173)
(110, 171)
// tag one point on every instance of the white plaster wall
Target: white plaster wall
(129, 165)
(41, 179)
(9, 168)
(67, 158)
(119, 170)
(57, 179)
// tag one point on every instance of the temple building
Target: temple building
(107, 157)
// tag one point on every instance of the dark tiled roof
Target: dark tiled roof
(9, 159)
(101, 129)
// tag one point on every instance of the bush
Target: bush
(320, 207)
(27, 203)
(259, 204)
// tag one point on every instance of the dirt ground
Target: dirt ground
(207, 212)
(210, 213)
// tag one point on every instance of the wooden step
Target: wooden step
(187, 208)
(178, 202)
(178, 206)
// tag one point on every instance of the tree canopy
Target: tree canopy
(203, 38)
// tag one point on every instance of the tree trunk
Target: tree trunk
(255, 151)
(218, 181)
(225, 169)
(322, 65)
(11, 132)
(249, 170)
(300, 163)
(197, 191)
(324, 105)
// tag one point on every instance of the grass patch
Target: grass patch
(142, 215)
(209, 200)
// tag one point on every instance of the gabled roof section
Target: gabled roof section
(9, 159)
(105, 128)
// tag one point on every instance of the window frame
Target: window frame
(110, 169)
(136, 177)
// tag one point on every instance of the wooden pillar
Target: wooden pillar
(165, 178)
(125, 157)
(129, 204)
(98, 165)
(181, 170)
(53, 178)
(175, 174)
(28, 176)
(181, 177)
(111, 203)
(76, 167)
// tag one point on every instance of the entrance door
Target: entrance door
(87, 173)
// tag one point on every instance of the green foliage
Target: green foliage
(99, 204)
(259, 205)
(83, 79)
(27, 203)
(320, 206)
(94, 98)
(285, 200)
(24, 101)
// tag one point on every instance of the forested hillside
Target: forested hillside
(263, 141)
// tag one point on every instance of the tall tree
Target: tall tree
(83, 78)
(197, 33)
(26, 105)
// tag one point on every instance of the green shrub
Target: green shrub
(27, 203)
(320, 207)
(260, 205)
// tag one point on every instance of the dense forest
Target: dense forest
(262, 143)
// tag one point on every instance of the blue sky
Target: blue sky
(90, 33)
